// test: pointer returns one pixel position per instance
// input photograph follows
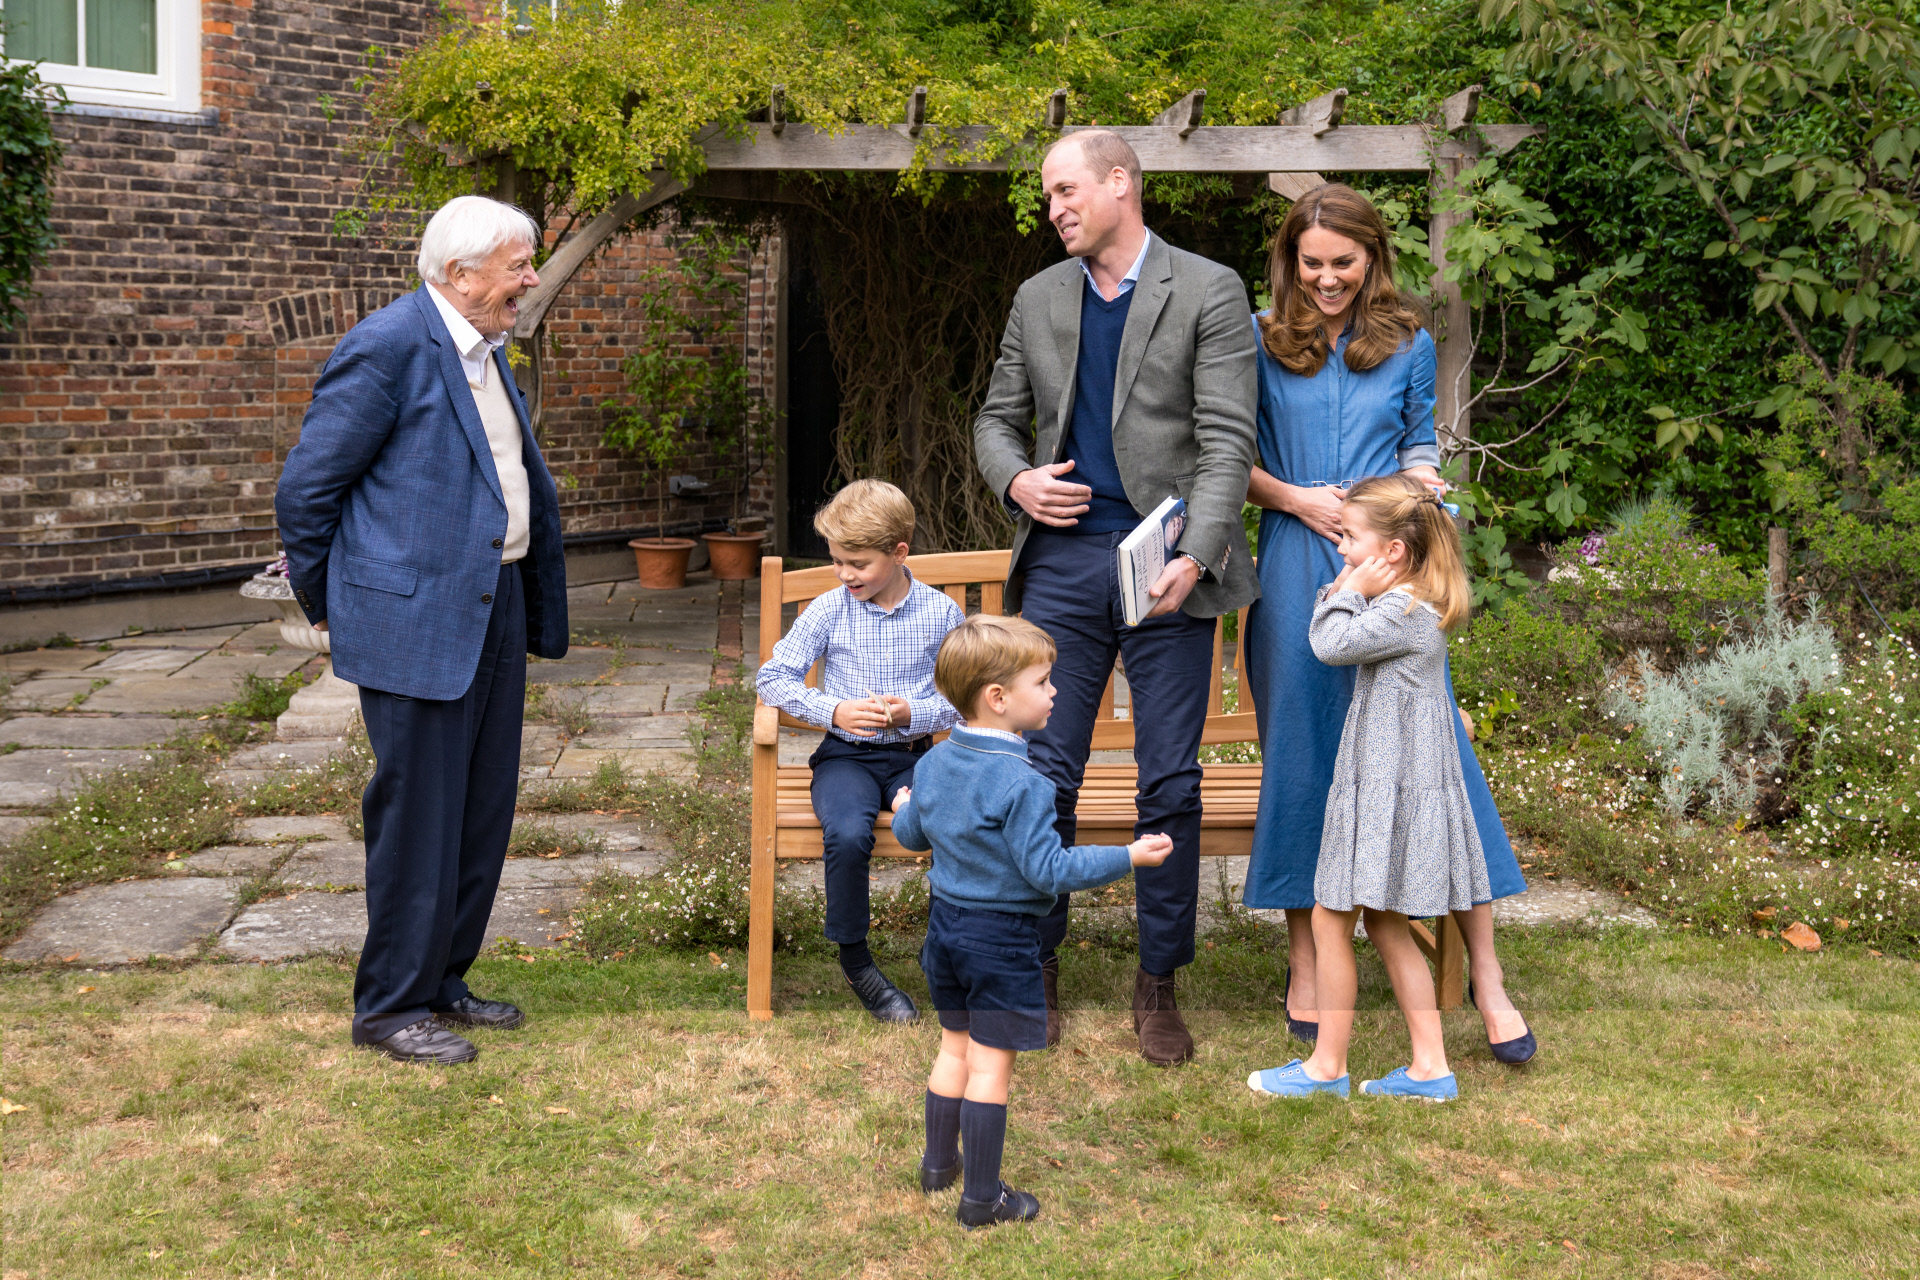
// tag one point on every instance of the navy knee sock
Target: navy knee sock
(943, 1132)
(983, 1129)
(854, 957)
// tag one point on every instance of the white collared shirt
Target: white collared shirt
(1133, 273)
(476, 349)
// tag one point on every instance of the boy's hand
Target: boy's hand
(1372, 577)
(901, 797)
(862, 716)
(1150, 851)
(899, 709)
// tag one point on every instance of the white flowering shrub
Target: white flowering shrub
(1859, 787)
(1714, 729)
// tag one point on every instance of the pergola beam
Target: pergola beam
(556, 272)
(1261, 149)
(1185, 114)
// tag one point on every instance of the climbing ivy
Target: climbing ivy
(29, 157)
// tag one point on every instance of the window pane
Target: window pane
(43, 31)
(120, 35)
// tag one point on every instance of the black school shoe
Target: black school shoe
(932, 1180)
(426, 1041)
(472, 1011)
(1012, 1206)
(886, 1002)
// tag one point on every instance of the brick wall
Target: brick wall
(150, 397)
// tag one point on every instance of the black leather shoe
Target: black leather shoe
(886, 1002)
(1050, 985)
(426, 1041)
(1298, 1028)
(932, 1180)
(1012, 1206)
(472, 1011)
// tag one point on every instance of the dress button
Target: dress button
(487, 598)
(499, 542)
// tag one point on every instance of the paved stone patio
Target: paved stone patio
(293, 886)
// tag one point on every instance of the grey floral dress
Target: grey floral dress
(1399, 833)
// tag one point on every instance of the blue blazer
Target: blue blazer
(391, 513)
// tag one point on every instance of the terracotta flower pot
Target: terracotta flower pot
(735, 556)
(662, 562)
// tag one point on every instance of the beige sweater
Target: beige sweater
(503, 436)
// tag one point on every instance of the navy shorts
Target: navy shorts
(983, 968)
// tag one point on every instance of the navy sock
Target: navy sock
(943, 1132)
(854, 957)
(983, 1129)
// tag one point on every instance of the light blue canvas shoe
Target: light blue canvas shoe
(1398, 1084)
(1292, 1081)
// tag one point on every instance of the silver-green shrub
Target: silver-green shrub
(1711, 727)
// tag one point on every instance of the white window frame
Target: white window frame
(175, 86)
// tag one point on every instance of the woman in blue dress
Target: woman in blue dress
(1328, 416)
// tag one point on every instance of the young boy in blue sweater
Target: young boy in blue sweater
(988, 816)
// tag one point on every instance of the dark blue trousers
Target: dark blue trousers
(438, 814)
(1072, 593)
(850, 785)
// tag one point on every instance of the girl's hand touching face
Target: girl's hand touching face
(1371, 577)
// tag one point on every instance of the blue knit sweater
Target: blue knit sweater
(987, 815)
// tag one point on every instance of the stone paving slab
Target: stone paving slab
(285, 755)
(629, 733)
(118, 923)
(304, 924)
(540, 746)
(232, 665)
(584, 762)
(261, 635)
(665, 665)
(49, 661)
(1545, 902)
(337, 864)
(624, 699)
(583, 662)
(683, 630)
(156, 661)
(162, 694)
(277, 830)
(685, 697)
(185, 638)
(234, 859)
(30, 778)
(12, 829)
(535, 916)
(88, 731)
(620, 835)
(47, 693)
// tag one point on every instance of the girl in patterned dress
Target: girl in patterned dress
(1399, 838)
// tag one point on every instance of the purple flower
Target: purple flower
(1592, 546)
(278, 569)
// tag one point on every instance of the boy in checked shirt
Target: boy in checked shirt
(879, 637)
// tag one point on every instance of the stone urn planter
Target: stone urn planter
(325, 708)
(735, 556)
(662, 562)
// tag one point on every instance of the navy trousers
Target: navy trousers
(850, 785)
(1072, 593)
(438, 812)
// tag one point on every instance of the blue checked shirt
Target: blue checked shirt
(867, 650)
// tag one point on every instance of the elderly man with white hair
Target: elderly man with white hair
(422, 531)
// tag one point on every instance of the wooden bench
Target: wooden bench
(785, 826)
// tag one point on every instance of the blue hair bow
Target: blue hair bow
(1451, 508)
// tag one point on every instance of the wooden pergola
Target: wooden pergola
(743, 162)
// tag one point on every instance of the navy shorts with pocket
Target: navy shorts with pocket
(983, 968)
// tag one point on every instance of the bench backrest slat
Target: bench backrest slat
(954, 572)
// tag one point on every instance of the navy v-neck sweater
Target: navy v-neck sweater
(1090, 433)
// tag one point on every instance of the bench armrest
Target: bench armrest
(766, 725)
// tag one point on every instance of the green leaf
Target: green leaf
(1804, 295)
(1715, 249)
(1659, 412)
(1804, 182)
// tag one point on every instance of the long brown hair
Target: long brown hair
(1294, 330)
(1400, 508)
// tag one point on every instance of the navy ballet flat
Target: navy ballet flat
(1512, 1052)
(1299, 1030)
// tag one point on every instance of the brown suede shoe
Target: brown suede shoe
(1050, 982)
(1164, 1040)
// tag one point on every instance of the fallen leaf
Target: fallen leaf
(154, 1253)
(426, 1231)
(712, 958)
(1764, 913)
(1875, 954)
(1766, 933)
(494, 1098)
(8, 1107)
(1279, 1217)
(1568, 1244)
(1323, 1206)
(528, 959)
(83, 990)
(559, 1111)
(1801, 936)
(1838, 923)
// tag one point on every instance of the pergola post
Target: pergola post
(1452, 318)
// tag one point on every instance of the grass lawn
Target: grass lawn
(1700, 1107)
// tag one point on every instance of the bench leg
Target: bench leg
(766, 763)
(1449, 964)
